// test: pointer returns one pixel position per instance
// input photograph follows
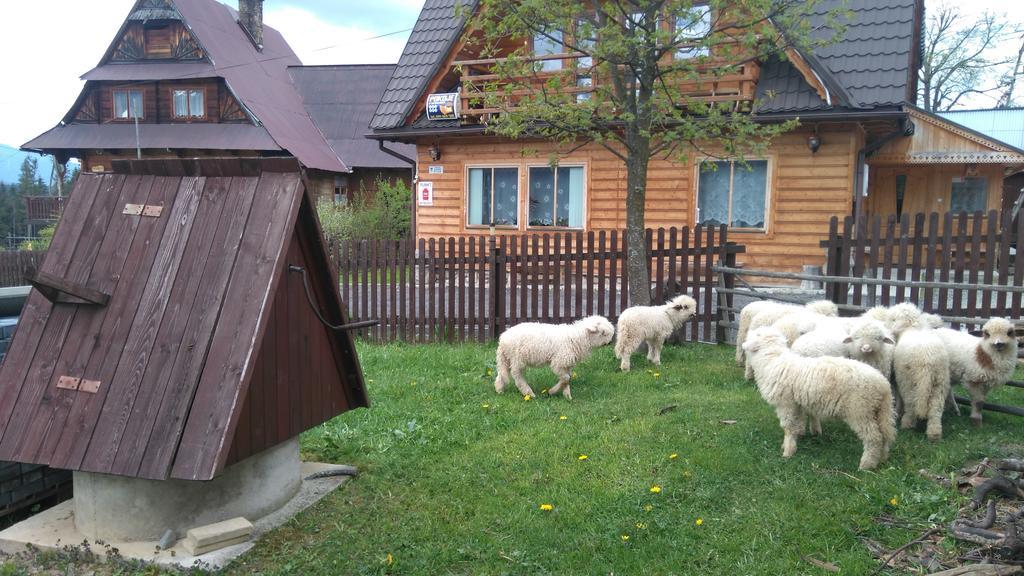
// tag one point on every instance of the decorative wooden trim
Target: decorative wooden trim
(947, 158)
(949, 126)
(808, 73)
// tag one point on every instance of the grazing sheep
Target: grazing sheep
(822, 387)
(651, 324)
(921, 366)
(981, 364)
(560, 346)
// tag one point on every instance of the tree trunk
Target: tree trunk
(636, 257)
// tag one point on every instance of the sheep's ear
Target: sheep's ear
(985, 333)
(889, 340)
(848, 340)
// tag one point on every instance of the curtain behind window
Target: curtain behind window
(713, 194)
(748, 194)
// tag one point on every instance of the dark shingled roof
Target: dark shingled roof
(871, 63)
(341, 100)
(435, 32)
(154, 136)
(259, 78)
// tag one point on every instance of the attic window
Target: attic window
(189, 103)
(547, 45)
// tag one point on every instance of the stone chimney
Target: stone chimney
(250, 16)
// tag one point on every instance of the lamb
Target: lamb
(822, 387)
(652, 324)
(859, 339)
(981, 364)
(560, 346)
(921, 366)
(768, 312)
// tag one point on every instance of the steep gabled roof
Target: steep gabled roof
(341, 100)
(873, 60)
(257, 77)
(871, 66)
(432, 38)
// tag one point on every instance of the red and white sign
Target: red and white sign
(425, 193)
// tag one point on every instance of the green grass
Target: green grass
(453, 475)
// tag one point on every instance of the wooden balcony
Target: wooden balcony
(480, 84)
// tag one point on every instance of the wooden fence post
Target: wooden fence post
(727, 281)
(496, 260)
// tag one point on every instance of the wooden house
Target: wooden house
(175, 325)
(852, 98)
(195, 78)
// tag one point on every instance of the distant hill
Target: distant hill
(10, 164)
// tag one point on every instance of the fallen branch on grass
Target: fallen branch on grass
(1001, 484)
(903, 548)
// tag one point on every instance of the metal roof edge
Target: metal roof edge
(978, 135)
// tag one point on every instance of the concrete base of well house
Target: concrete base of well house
(56, 528)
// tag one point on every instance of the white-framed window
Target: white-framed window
(556, 196)
(127, 104)
(968, 195)
(492, 196)
(547, 45)
(691, 28)
(189, 103)
(734, 194)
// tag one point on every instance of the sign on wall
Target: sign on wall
(443, 106)
(425, 193)
(436, 169)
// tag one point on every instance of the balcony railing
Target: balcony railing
(481, 86)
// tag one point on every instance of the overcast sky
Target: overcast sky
(48, 44)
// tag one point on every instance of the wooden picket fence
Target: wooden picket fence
(965, 267)
(15, 265)
(467, 288)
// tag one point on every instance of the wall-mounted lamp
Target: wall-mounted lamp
(434, 151)
(814, 142)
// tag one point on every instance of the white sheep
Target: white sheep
(981, 364)
(921, 368)
(560, 346)
(768, 312)
(822, 387)
(860, 339)
(651, 324)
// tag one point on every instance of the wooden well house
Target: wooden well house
(173, 327)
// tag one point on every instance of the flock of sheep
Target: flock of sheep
(808, 362)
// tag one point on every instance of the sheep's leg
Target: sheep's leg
(815, 425)
(935, 406)
(792, 422)
(654, 350)
(563, 383)
(503, 376)
(977, 394)
(521, 384)
(874, 445)
(748, 372)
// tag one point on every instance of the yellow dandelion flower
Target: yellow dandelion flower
(527, 397)
(581, 457)
(490, 372)
(390, 560)
(699, 522)
(894, 501)
(655, 489)
(485, 406)
(563, 417)
(573, 374)
(547, 507)
(648, 508)
(413, 383)
(641, 525)
(656, 374)
(673, 456)
(625, 537)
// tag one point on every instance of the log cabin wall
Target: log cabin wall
(804, 191)
(157, 101)
(927, 188)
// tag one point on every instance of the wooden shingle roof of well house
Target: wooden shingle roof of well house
(200, 78)
(177, 324)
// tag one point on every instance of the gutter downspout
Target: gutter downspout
(412, 165)
(905, 128)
